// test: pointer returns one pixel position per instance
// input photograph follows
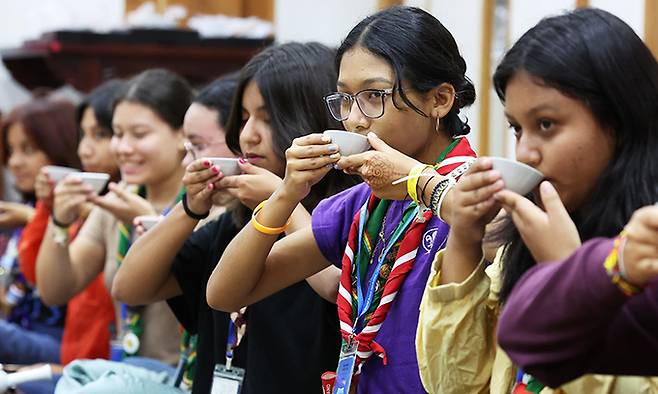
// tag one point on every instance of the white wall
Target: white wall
(24, 19)
(460, 21)
(525, 14)
(630, 11)
(27, 19)
(325, 21)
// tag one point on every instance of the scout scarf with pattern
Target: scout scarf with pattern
(362, 315)
(132, 315)
(368, 311)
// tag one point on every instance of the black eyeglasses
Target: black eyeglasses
(369, 101)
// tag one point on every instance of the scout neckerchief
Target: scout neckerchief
(361, 315)
(132, 316)
(526, 384)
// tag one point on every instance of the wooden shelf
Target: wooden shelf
(90, 58)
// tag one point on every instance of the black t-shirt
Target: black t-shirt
(292, 336)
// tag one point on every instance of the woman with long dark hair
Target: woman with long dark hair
(39, 133)
(401, 81)
(278, 98)
(148, 146)
(580, 92)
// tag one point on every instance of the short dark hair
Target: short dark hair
(293, 79)
(596, 58)
(218, 95)
(101, 101)
(50, 124)
(164, 92)
(421, 51)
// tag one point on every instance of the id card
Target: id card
(227, 381)
(345, 369)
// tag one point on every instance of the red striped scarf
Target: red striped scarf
(404, 261)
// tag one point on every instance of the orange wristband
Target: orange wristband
(264, 229)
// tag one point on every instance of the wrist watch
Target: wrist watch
(60, 234)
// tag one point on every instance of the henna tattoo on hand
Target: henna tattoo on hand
(379, 172)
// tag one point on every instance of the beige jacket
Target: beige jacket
(456, 341)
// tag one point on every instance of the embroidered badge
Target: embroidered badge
(428, 239)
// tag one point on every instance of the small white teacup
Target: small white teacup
(97, 180)
(148, 221)
(57, 173)
(228, 165)
(348, 143)
(518, 177)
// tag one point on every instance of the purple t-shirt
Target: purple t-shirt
(331, 224)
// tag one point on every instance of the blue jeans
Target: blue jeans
(21, 346)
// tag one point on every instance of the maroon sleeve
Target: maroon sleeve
(567, 318)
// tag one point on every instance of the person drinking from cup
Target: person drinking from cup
(90, 314)
(410, 114)
(39, 133)
(565, 88)
(290, 337)
(148, 146)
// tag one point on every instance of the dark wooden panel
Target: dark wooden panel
(85, 63)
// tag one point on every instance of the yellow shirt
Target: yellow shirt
(456, 341)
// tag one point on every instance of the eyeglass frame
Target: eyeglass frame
(384, 92)
(189, 147)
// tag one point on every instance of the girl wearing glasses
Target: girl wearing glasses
(291, 335)
(410, 114)
(204, 128)
(205, 121)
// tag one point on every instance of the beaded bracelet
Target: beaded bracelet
(264, 229)
(440, 190)
(612, 265)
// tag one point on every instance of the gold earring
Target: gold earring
(437, 126)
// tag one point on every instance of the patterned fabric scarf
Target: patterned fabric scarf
(188, 346)
(373, 241)
(132, 315)
(526, 384)
(397, 262)
(391, 275)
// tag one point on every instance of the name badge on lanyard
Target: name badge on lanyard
(345, 369)
(228, 379)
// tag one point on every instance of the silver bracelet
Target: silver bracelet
(439, 193)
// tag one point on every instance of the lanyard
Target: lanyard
(447, 150)
(234, 336)
(364, 303)
(231, 343)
